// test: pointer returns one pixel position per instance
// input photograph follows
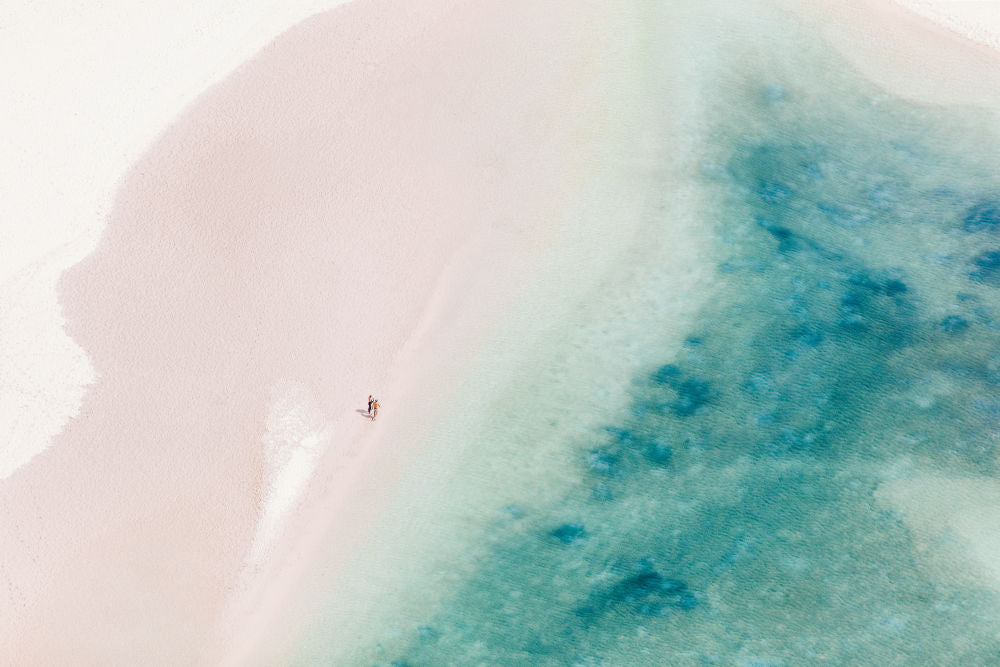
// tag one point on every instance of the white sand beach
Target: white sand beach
(354, 213)
(267, 213)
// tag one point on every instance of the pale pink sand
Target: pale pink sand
(978, 20)
(84, 97)
(292, 225)
(910, 54)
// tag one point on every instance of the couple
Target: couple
(372, 405)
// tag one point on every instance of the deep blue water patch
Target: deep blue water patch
(987, 268)
(954, 324)
(569, 533)
(982, 216)
(645, 592)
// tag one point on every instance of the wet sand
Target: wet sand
(351, 211)
(291, 226)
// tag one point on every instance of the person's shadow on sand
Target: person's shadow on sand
(363, 412)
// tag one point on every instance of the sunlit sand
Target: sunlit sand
(514, 224)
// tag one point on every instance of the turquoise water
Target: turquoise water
(727, 514)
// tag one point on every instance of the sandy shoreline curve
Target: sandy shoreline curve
(350, 211)
(291, 226)
(911, 36)
(84, 105)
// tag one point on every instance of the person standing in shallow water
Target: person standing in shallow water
(375, 410)
(370, 401)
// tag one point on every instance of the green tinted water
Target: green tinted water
(727, 513)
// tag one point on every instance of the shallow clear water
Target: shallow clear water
(727, 513)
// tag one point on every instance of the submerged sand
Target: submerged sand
(287, 236)
(352, 211)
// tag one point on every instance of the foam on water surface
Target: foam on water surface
(759, 493)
